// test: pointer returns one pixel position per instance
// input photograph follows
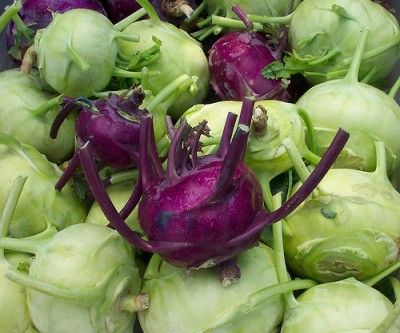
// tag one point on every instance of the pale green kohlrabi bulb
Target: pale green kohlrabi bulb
(40, 204)
(179, 54)
(337, 307)
(323, 36)
(196, 302)
(27, 113)
(349, 228)
(367, 113)
(83, 279)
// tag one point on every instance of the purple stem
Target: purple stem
(227, 134)
(233, 157)
(247, 111)
(73, 164)
(174, 152)
(196, 146)
(99, 192)
(263, 219)
(68, 108)
(243, 17)
(148, 173)
(154, 152)
(170, 127)
(133, 200)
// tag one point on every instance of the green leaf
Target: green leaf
(276, 70)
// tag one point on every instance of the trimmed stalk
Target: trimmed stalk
(46, 107)
(9, 13)
(135, 303)
(121, 25)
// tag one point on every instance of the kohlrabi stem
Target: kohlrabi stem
(227, 134)
(196, 146)
(73, 164)
(121, 25)
(247, 111)
(381, 160)
(47, 106)
(271, 19)
(135, 303)
(9, 208)
(76, 58)
(132, 201)
(395, 88)
(352, 74)
(127, 36)
(311, 137)
(30, 282)
(265, 180)
(173, 152)
(159, 171)
(118, 72)
(283, 275)
(25, 31)
(20, 245)
(9, 12)
(384, 274)
(150, 11)
(28, 60)
(213, 30)
(125, 175)
(147, 174)
(278, 289)
(196, 13)
(167, 92)
(225, 22)
(296, 159)
(314, 159)
(259, 121)
(396, 287)
(390, 319)
(70, 104)
(243, 16)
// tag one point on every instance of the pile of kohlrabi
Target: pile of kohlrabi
(188, 166)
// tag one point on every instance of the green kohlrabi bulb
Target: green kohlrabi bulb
(323, 36)
(178, 54)
(27, 113)
(83, 279)
(196, 302)
(40, 204)
(337, 307)
(349, 228)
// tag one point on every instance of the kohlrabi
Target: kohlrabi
(27, 113)
(342, 306)
(349, 227)
(195, 301)
(39, 205)
(110, 127)
(367, 113)
(204, 209)
(236, 61)
(323, 36)
(83, 279)
(175, 53)
(14, 315)
(35, 15)
(77, 53)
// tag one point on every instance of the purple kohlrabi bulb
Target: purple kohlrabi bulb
(236, 62)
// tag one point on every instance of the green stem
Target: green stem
(369, 76)
(150, 11)
(196, 13)
(9, 208)
(389, 320)
(135, 303)
(314, 159)
(20, 245)
(76, 58)
(122, 176)
(133, 75)
(9, 13)
(395, 88)
(26, 32)
(271, 19)
(49, 289)
(278, 289)
(166, 93)
(129, 37)
(277, 230)
(381, 160)
(205, 22)
(352, 74)
(213, 30)
(265, 179)
(47, 106)
(396, 287)
(384, 274)
(296, 159)
(121, 25)
(227, 22)
(311, 137)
